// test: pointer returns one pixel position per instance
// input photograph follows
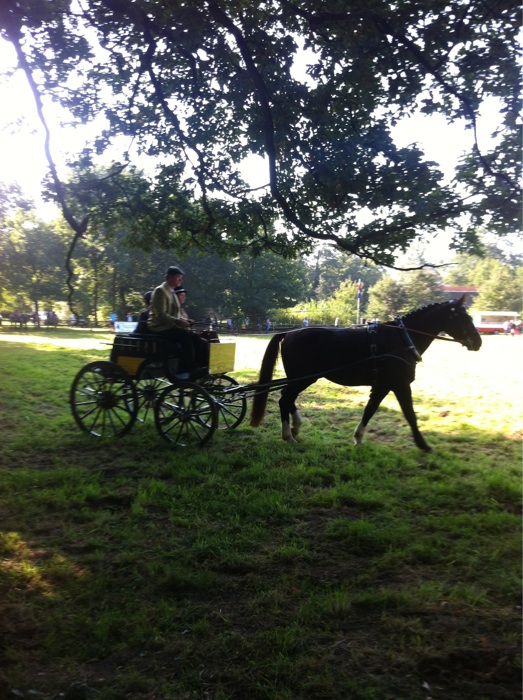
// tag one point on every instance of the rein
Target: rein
(430, 335)
(275, 384)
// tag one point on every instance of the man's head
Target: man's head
(174, 276)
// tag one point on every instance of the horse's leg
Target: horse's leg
(377, 394)
(404, 396)
(296, 421)
(288, 408)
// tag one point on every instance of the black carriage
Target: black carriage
(140, 380)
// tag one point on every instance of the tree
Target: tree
(344, 303)
(499, 287)
(331, 268)
(497, 277)
(411, 290)
(386, 297)
(243, 286)
(32, 261)
(420, 287)
(311, 90)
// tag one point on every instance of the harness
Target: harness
(372, 330)
(410, 345)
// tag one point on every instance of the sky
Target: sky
(22, 157)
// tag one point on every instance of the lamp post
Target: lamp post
(360, 286)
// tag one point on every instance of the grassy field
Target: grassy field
(251, 568)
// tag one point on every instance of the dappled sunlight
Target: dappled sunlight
(93, 343)
(27, 567)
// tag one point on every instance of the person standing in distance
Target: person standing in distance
(165, 319)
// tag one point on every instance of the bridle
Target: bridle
(465, 342)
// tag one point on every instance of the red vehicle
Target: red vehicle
(495, 322)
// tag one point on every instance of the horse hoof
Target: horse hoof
(426, 448)
(290, 440)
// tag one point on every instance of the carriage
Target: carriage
(107, 398)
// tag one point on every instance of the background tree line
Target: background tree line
(110, 276)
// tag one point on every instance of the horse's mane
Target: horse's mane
(422, 310)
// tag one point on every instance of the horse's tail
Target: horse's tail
(266, 371)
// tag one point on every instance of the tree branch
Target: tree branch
(79, 227)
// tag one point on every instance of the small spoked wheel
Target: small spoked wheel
(149, 387)
(231, 405)
(185, 414)
(103, 400)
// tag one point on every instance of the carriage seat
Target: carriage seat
(157, 340)
(132, 350)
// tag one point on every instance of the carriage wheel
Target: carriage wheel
(149, 388)
(232, 406)
(104, 400)
(185, 414)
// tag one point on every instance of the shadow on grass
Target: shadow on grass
(254, 568)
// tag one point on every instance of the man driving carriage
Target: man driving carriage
(166, 319)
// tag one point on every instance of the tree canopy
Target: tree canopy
(310, 89)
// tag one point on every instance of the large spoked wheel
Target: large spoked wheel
(149, 387)
(104, 400)
(231, 405)
(185, 414)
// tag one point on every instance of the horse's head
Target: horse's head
(458, 324)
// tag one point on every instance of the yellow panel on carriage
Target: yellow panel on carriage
(130, 364)
(222, 357)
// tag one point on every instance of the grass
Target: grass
(252, 568)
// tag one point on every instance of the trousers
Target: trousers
(195, 350)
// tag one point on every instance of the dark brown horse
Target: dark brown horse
(381, 355)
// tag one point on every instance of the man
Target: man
(165, 319)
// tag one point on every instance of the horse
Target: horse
(380, 355)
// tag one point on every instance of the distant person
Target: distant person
(305, 322)
(336, 322)
(268, 325)
(129, 317)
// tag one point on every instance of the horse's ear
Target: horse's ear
(462, 301)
